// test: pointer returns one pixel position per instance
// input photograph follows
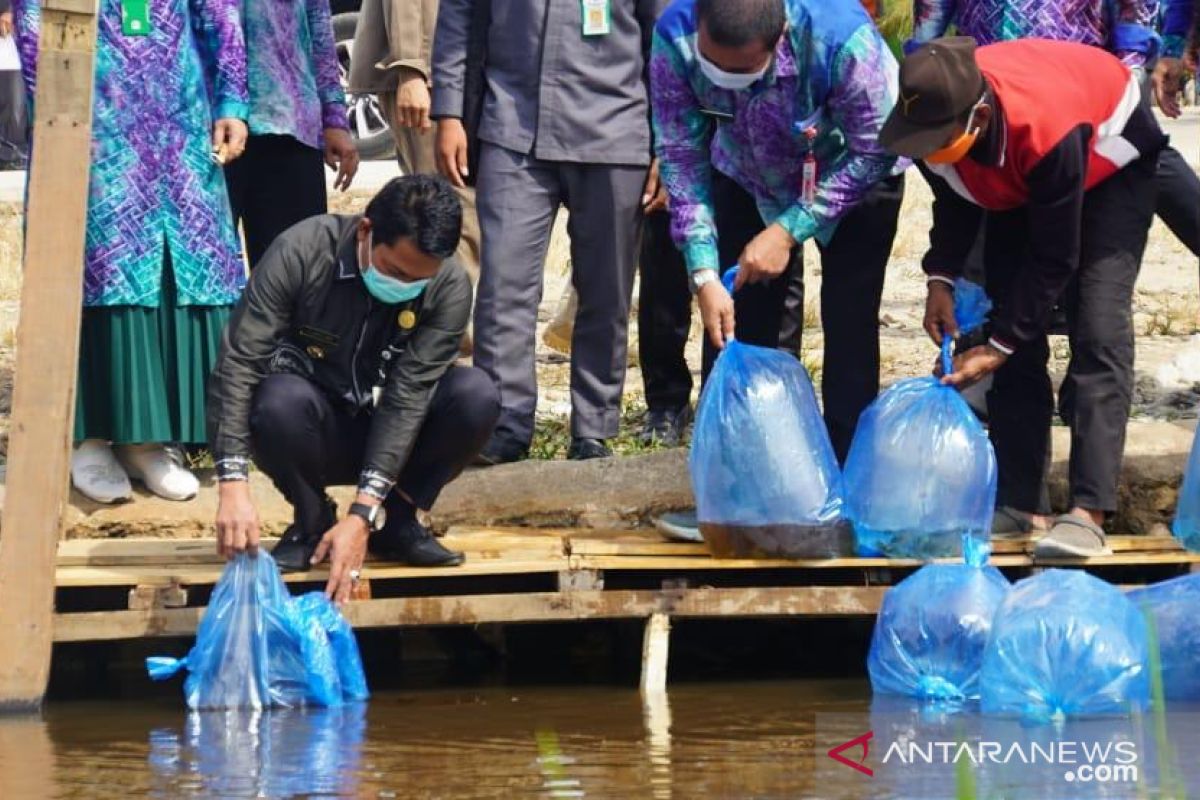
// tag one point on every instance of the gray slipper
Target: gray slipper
(679, 527)
(1072, 537)
(1013, 524)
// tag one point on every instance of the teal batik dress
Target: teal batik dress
(162, 265)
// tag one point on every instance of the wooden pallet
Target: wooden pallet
(547, 575)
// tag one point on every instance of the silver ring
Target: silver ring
(355, 575)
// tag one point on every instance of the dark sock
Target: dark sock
(400, 510)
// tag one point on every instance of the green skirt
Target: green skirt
(143, 371)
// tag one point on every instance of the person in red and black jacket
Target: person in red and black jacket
(1050, 144)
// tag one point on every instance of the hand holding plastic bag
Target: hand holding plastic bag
(763, 470)
(257, 647)
(921, 474)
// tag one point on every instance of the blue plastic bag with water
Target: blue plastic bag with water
(258, 647)
(1186, 525)
(921, 474)
(763, 471)
(1174, 608)
(931, 632)
(1065, 643)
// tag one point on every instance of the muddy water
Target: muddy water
(708, 740)
(765, 739)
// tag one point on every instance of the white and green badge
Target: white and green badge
(597, 17)
(135, 17)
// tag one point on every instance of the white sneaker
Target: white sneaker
(97, 475)
(161, 469)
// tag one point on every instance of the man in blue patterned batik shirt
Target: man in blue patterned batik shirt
(766, 118)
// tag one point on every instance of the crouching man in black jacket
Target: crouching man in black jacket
(337, 367)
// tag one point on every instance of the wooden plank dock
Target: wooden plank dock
(132, 588)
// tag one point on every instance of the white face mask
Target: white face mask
(734, 81)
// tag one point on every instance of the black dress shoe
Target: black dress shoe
(587, 449)
(294, 551)
(667, 426)
(501, 451)
(411, 543)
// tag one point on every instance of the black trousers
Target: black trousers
(1096, 394)
(276, 183)
(1178, 198)
(853, 267)
(304, 443)
(664, 316)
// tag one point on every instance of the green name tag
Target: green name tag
(135, 17)
(597, 17)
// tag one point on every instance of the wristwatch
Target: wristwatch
(701, 278)
(375, 516)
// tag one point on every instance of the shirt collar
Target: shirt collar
(347, 251)
(783, 65)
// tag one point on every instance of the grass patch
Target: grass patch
(1175, 318)
(552, 435)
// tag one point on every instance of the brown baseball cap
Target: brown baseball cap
(939, 82)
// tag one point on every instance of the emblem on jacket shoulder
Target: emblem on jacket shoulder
(315, 351)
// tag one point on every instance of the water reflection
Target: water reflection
(26, 758)
(700, 740)
(279, 753)
(656, 713)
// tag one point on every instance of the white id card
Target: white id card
(597, 17)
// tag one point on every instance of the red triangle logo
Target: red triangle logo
(864, 742)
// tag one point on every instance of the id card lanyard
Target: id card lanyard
(135, 17)
(597, 17)
(808, 176)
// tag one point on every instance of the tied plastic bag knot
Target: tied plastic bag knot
(162, 667)
(931, 632)
(921, 473)
(763, 470)
(935, 687)
(257, 647)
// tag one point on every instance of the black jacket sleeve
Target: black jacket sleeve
(247, 344)
(1055, 213)
(956, 223)
(433, 347)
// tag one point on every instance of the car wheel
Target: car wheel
(367, 125)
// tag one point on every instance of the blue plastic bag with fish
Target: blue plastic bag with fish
(931, 632)
(258, 647)
(1174, 608)
(1186, 525)
(1064, 644)
(921, 474)
(763, 470)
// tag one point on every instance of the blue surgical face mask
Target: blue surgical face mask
(386, 289)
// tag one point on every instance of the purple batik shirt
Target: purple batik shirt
(1123, 27)
(295, 88)
(832, 74)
